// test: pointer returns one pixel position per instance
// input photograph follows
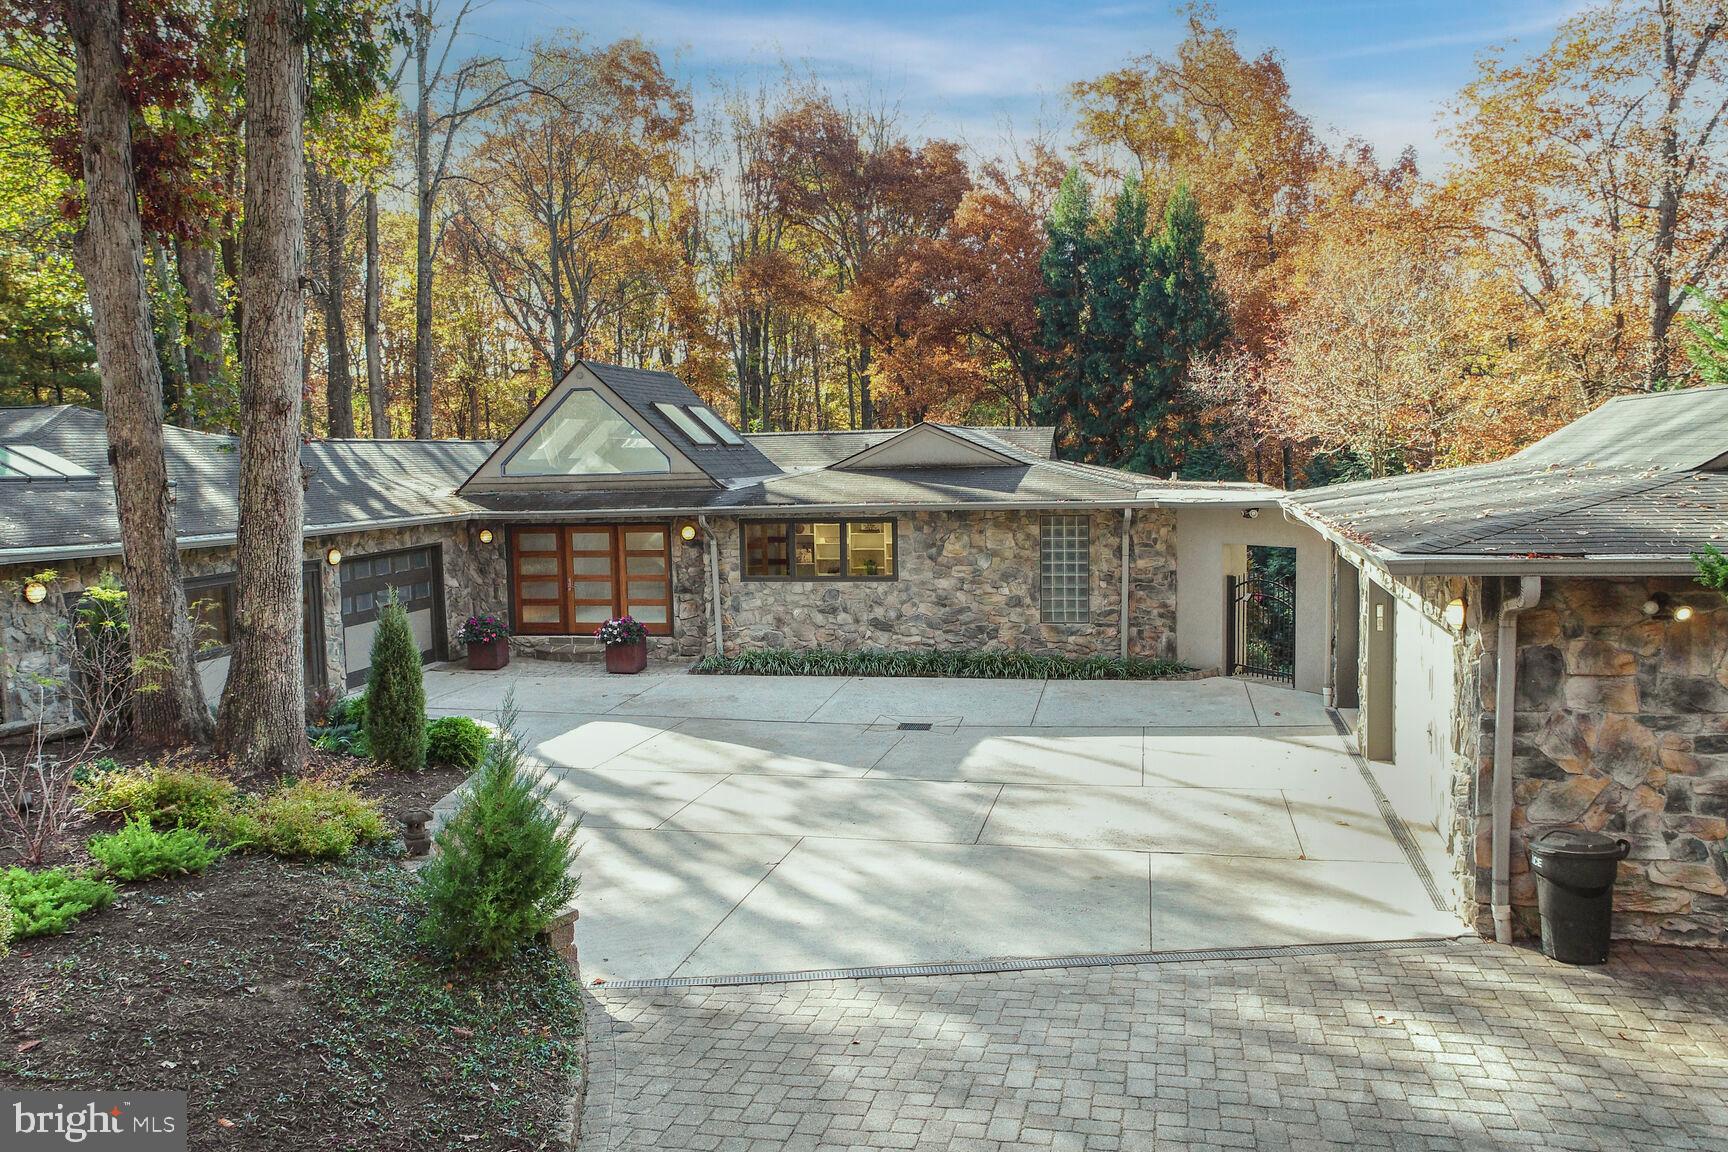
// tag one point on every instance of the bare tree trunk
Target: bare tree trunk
(170, 709)
(376, 395)
(172, 347)
(423, 194)
(332, 213)
(204, 359)
(264, 707)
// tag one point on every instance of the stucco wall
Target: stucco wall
(1210, 539)
(31, 652)
(966, 581)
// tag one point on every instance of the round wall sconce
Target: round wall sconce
(1250, 513)
(1661, 606)
(35, 592)
(1455, 614)
(687, 532)
(333, 557)
(485, 535)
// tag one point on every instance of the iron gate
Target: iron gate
(1260, 627)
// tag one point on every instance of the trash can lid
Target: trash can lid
(1579, 842)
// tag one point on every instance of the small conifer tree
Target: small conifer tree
(395, 693)
(502, 870)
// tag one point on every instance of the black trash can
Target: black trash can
(1575, 890)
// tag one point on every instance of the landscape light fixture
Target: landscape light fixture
(1455, 614)
(485, 535)
(333, 557)
(35, 592)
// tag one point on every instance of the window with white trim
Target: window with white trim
(1065, 569)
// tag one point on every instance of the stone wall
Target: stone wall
(965, 581)
(1622, 727)
(31, 645)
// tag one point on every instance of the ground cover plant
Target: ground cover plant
(141, 851)
(983, 665)
(305, 819)
(48, 901)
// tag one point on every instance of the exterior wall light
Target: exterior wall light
(333, 557)
(35, 592)
(1455, 614)
(1661, 606)
(485, 535)
(687, 532)
(1250, 513)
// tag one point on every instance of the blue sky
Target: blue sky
(1380, 69)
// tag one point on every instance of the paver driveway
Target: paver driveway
(768, 824)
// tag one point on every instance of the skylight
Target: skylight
(28, 462)
(717, 426)
(585, 436)
(685, 423)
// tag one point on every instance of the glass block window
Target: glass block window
(1065, 569)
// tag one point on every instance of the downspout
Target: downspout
(1505, 703)
(713, 584)
(1122, 628)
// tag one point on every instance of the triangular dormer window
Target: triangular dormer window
(583, 435)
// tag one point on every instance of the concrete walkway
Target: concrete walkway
(1450, 1046)
(757, 824)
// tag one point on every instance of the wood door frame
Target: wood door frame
(619, 560)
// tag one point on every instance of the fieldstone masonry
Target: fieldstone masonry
(966, 580)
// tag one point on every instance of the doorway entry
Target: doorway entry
(1260, 616)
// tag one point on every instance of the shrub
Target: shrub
(346, 739)
(138, 851)
(456, 741)
(395, 694)
(503, 865)
(304, 820)
(348, 710)
(986, 665)
(44, 903)
(165, 794)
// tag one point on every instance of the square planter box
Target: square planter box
(627, 659)
(490, 655)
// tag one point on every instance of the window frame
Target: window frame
(198, 588)
(728, 435)
(696, 433)
(619, 575)
(1045, 522)
(504, 465)
(787, 534)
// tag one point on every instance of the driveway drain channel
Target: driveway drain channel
(988, 967)
(1394, 822)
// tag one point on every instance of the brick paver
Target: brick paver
(1466, 1046)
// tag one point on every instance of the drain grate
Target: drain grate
(911, 726)
(1394, 822)
(1040, 964)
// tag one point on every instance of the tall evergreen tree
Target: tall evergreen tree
(1179, 314)
(1114, 356)
(1061, 307)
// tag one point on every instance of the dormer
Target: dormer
(608, 427)
(930, 445)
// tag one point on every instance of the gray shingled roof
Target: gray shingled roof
(351, 483)
(642, 389)
(1631, 480)
(792, 450)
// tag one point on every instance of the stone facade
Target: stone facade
(31, 652)
(964, 581)
(1621, 727)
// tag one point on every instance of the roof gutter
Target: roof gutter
(223, 539)
(1505, 705)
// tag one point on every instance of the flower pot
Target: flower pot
(489, 655)
(627, 659)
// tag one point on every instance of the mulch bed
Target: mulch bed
(294, 1006)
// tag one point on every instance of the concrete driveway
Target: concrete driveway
(768, 824)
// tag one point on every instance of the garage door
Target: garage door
(1420, 783)
(416, 576)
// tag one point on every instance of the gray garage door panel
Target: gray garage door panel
(417, 578)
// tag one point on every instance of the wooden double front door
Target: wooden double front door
(569, 579)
